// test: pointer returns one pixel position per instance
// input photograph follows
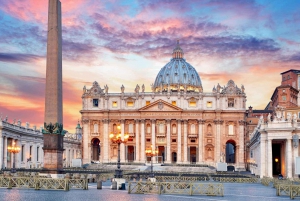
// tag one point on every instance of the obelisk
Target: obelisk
(53, 122)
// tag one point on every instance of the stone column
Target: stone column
(168, 141)
(262, 155)
(200, 140)
(241, 159)
(33, 157)
(269, 159)
(106, 142)
(295, 155)
(179, 160)
(218, 139)
(1, 151)
(122, 145)
(153, 135)
(85, 142)
(289, 158)
(5, 152)
(137, 141)
(185, 159)
(143, 139)
(17, 156)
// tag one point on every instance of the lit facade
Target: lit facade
(185, 124)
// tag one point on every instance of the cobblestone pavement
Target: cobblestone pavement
(233, 192)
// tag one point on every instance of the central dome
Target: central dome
(177, 75)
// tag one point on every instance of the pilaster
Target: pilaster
(288, 155)
(122, 146)
(106, 142)
(269, 159)
(185, 159)
(137, 141)
(143, 139)
(179, 160)
(168, 141)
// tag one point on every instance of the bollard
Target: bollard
(114, 185)
(99, 184)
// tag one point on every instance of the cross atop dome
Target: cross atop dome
(177, 52)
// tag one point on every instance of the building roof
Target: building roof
(178, 74)
(293, 70)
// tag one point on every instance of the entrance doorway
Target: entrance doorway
(161, 153)
(193, 154)
(230, 151)
(95, 149)
(130, 153)
(276, 158)
(174, 157)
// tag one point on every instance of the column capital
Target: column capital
(201, 121)
(85, 121)
(242, 122)
(185, 121)
(168, 121)
(142, 121)
(137, 121)
(122, 121)
(152, 120)
(106, 121)
(179, 120)
(218, 121)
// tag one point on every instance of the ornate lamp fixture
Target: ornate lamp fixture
(117, 139)
(150, 153)
(13, 149)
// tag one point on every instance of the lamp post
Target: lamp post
(117, 139)
(13, 149)
(151, 153)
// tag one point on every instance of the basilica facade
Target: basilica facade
(177, 118)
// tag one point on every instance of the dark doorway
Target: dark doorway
(130, 153)
(174, 157)
(193, 154)
(161, 154)
(95, 149)
(276, 158)
(230, 151)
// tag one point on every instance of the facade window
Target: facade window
(148, 140)
(147, 102)
(115, 104)
(174, 103)
(130, 104)
(173, 140)
(95, 102)
(251, 154)
(288, 77)
(193, 140)
(209, 104)
(173, 128)
(130, 128)
(161, 128)
(230, 102)
(148, 128)
(37, 153)
(283, 78)
(193, 129)
(230, 130)
(192, 104)
(284, 98)
(95, 128)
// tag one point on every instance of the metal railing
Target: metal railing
(184, 188)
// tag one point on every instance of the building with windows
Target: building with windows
(30, 141)
(180, 120)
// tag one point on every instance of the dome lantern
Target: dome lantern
(177, 52)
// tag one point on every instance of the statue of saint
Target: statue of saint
(122, 88)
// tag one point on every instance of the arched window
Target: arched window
(148, 128)
(96, 128)
(230, 129)
(209, 129)
(174, 128)
(193, 129)
(161, 128)
(130, 128)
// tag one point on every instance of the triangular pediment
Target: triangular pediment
(160, 106)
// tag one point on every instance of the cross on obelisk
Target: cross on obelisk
(53, 126)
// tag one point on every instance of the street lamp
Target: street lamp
(150, 153)
(13, 149)
(117, 139)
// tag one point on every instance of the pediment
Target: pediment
(160, 106)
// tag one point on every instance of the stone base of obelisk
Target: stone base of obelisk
(53, 154)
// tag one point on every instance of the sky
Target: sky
(127, 42)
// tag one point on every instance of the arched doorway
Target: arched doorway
(95, 149)
(230, 151)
